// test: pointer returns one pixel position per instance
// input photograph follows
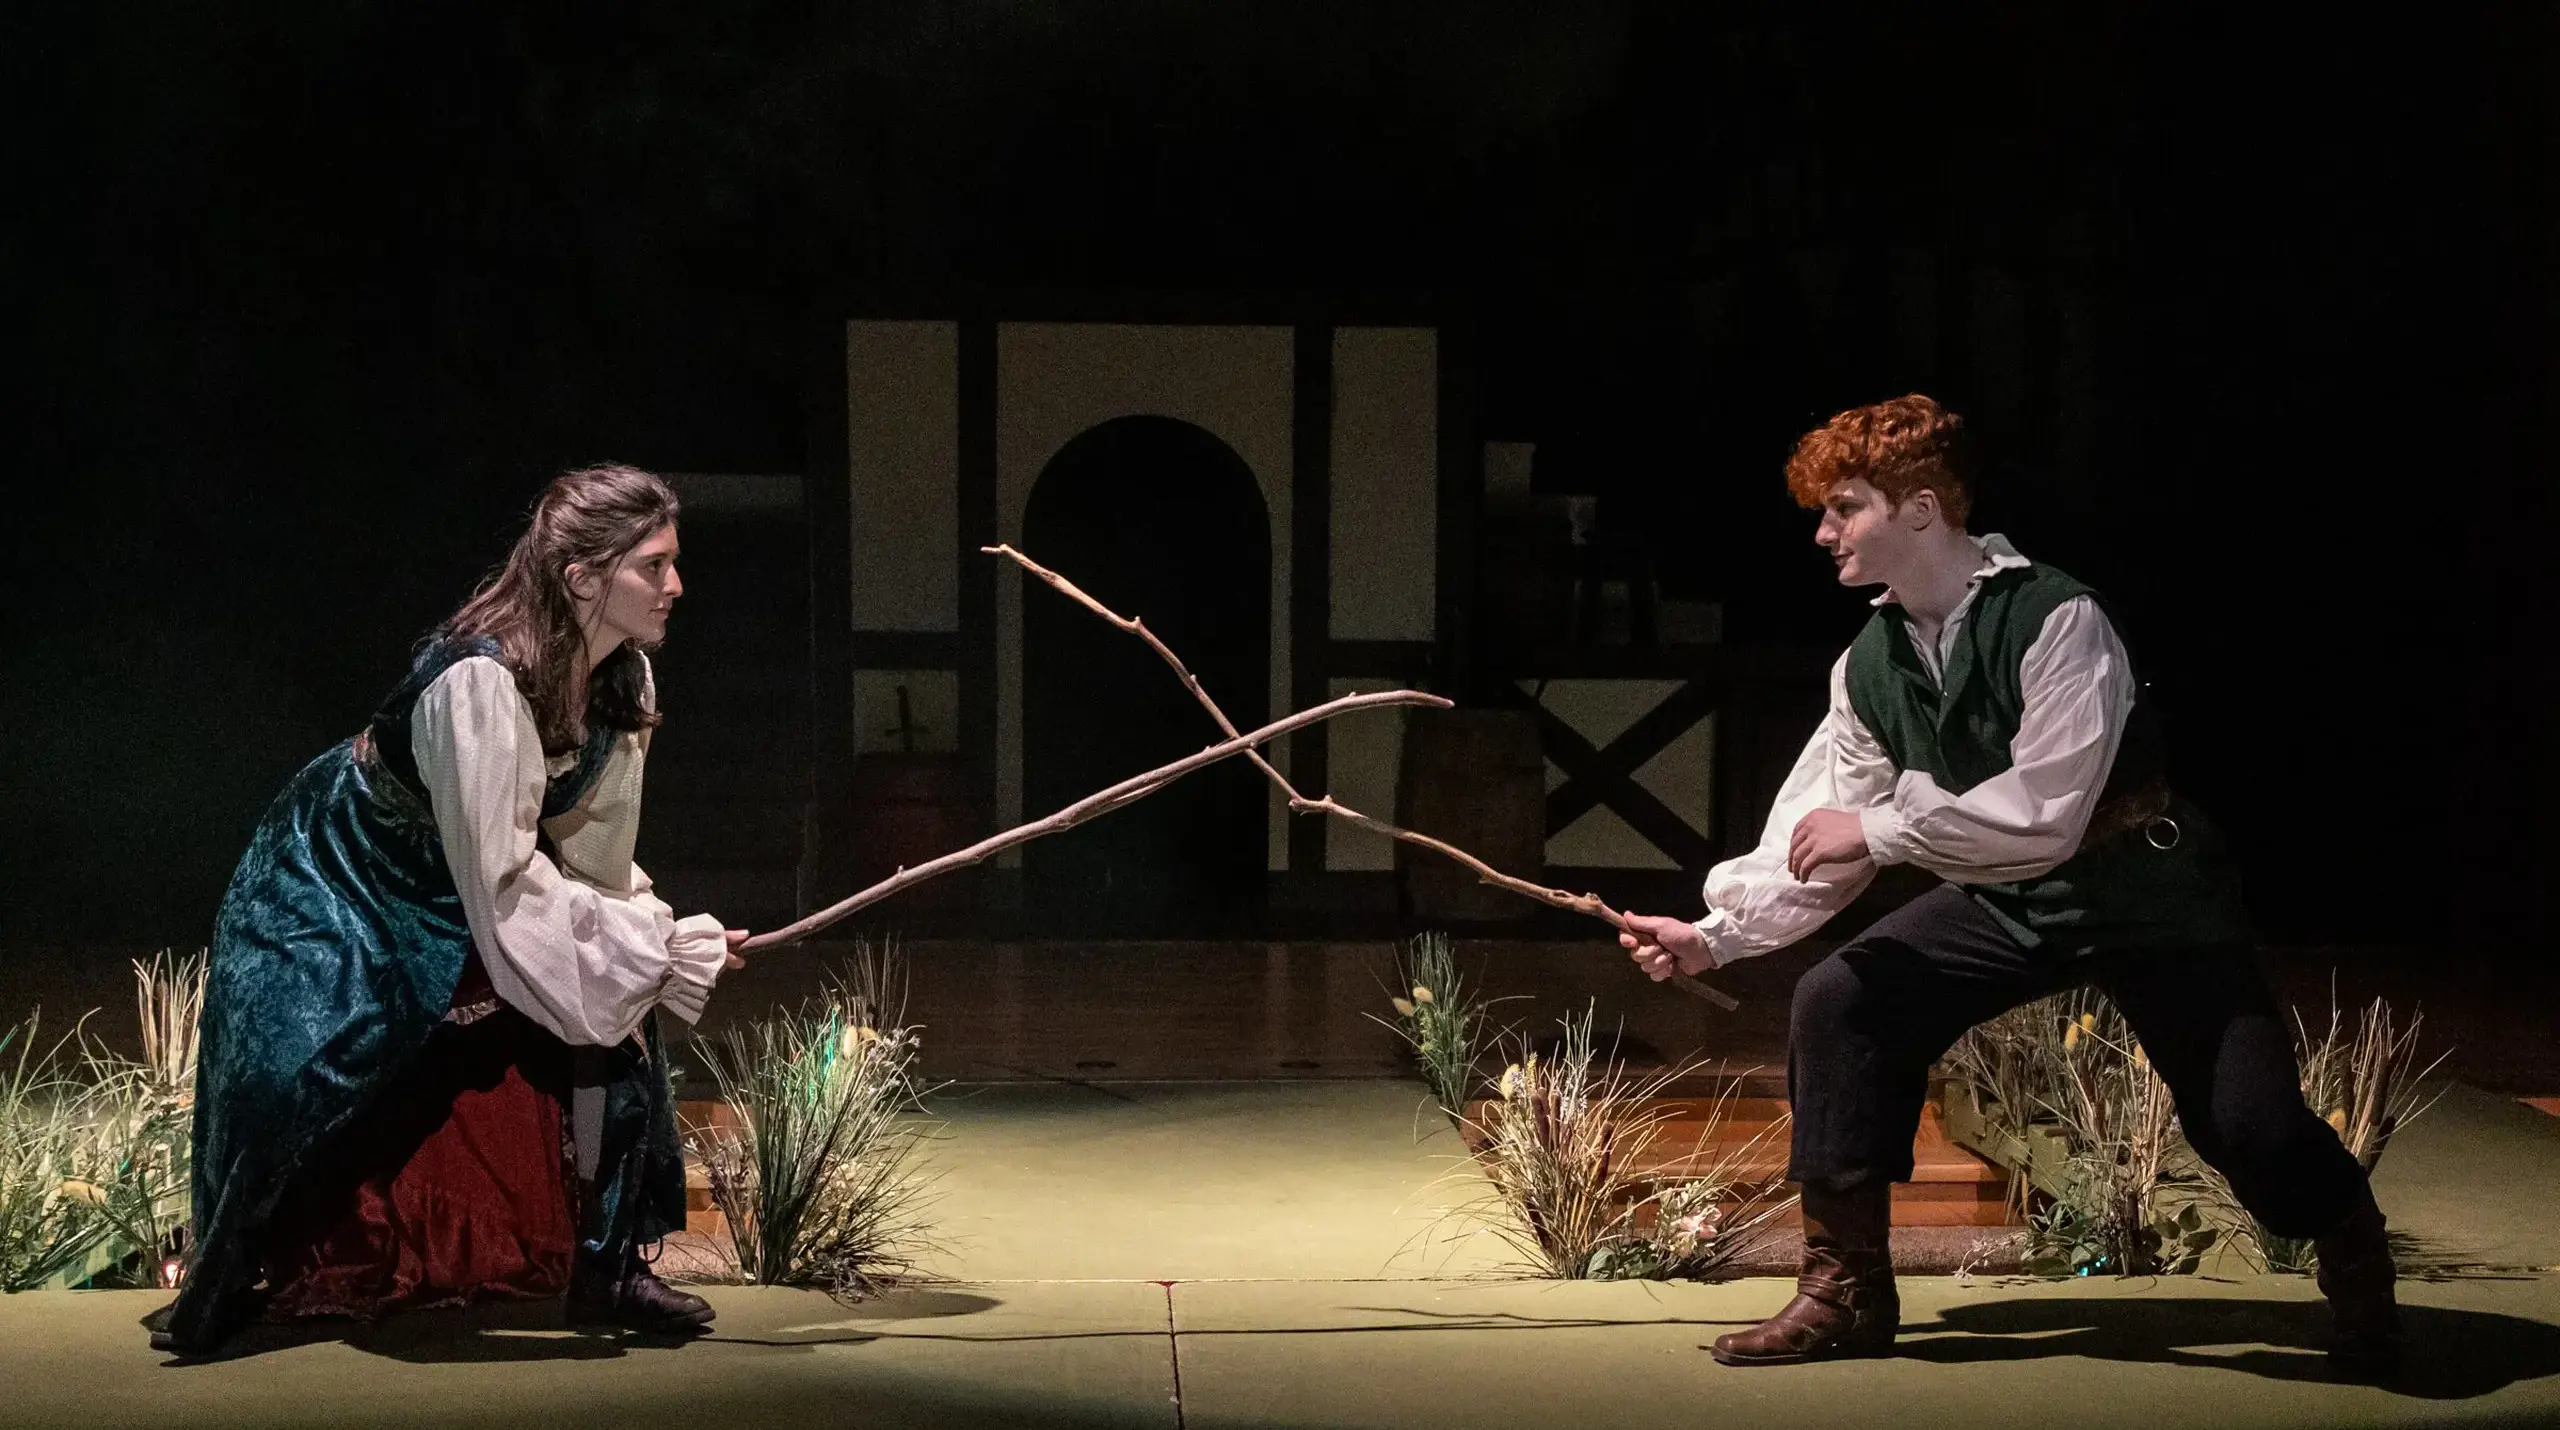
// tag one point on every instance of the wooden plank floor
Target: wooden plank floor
(1093, 1010)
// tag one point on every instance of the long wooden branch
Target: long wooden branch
(1134, 788)
(1586, 904)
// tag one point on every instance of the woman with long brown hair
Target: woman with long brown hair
(431, 1071)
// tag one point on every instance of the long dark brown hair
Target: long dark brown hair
(592, 516)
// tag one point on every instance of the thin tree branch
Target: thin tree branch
(1590, 905)
(1128, 791)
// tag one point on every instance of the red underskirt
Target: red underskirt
(452, 1188)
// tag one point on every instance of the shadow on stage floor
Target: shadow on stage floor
(513, 1332)
(2453, 1354)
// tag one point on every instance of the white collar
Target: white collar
(1997, 556)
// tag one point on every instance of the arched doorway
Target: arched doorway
(1161, 521)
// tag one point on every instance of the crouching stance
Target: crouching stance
(430, 1067)
(1986, 726)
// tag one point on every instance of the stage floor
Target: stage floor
(2102, 1353)
(1261, 1254)
(1272, 1247)
(1196, 1181)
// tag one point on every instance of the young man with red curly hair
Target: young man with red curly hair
(1986, 726)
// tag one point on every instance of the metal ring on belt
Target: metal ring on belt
(2151, 833)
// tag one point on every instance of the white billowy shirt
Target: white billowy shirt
(2077, 689)
(578, 944)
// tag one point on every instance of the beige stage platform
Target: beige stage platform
(1324, 1181)
(1271, 1246)
(1257, 1255)
(2086, 1354)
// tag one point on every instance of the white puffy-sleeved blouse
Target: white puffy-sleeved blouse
(578, 943)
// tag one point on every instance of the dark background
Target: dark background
(307, 299)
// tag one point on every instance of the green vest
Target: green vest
(2120, 891)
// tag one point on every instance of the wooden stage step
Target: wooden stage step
(1949, 1186)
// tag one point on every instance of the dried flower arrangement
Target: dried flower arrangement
(1723, 1206)
(2059, 1091)
(1440, 1018)
(2366, 1083)
(53, 1169)
(819, 1168)
(94, 1147)
(149, 1118)
(1565, 1144)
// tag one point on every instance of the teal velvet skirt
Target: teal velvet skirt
(335, 957)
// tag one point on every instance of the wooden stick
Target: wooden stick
(1134, 788)
(1587, 904)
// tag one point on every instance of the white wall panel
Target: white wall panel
(1055, 381)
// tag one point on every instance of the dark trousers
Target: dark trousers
(1870, 1020)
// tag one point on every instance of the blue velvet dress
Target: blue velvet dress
(335, 956)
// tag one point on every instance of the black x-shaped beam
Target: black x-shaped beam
(1606, 775)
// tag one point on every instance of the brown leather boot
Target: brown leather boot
(632, 1297)
(1845, 1304)
(2356, 1275)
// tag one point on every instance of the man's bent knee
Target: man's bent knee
(1826, 995)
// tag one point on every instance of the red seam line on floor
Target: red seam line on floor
(1173, 1352)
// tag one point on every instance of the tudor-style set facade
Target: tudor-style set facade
(1347, 524)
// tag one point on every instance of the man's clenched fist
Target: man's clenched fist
(1662, 947)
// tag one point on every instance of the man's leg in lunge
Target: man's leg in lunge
(2209, 1024)
(1867, 1023)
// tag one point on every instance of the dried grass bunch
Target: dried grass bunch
(2365, 1081)
(2063, 1095)
(1719, 1207)
(1565, 1144)
(1440, 1018)
(94, 1146)
(819, 1166)
(54, 1168)
(147, 1114)
(2068, 1098)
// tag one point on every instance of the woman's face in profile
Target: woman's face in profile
(641, 591)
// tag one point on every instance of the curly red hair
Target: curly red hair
(1898, 447)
